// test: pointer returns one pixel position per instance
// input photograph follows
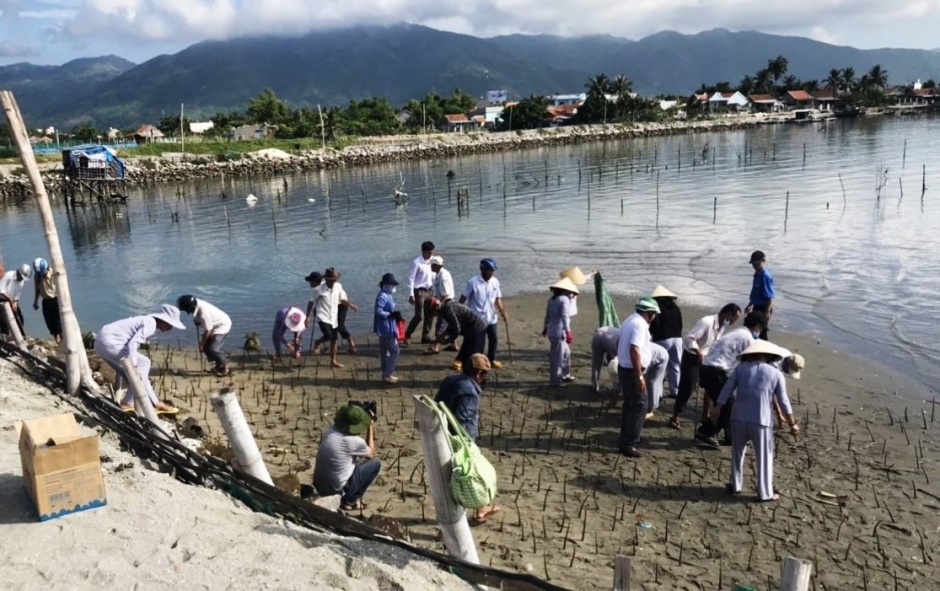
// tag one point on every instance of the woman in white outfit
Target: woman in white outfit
(758, 384)
(122, 338)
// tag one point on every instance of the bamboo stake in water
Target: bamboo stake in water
(786, 212)
(904, 154)
(844, 202)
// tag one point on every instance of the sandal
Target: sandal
(674, 422)
(358, 506)
(481, 518)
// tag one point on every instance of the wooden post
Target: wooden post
(795, 574)
(142, 404)
(78, 371)
(15, 335)
(621, 573)
(247, 455)
(437, 459)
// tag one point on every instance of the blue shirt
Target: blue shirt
(382, 323)
(461, 394)
(762, 290)
(757, 384)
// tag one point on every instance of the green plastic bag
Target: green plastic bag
(473, 479)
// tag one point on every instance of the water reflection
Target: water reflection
(682, 210)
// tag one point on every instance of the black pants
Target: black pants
(712, 381)
(492, 340)
(341, 321)
(422, 315)
(472, 343)
(18, 316)
(688, 380)
(50, 313)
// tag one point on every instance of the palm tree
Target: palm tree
(777, 67)
(762, 81)
(790, 82)
(598, 86)
(834, 81)
(877, 77)
(848, 79)
(621, 87)
(746, 85)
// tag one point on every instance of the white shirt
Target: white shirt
(10, 286)
(481, 297)
(635, 331)
(211, 319)
(443, 284)
(703, 334)
(123, 337)
(327, 302)
(724, 352)
(419, 276)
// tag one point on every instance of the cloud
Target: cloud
(9, 49)
(185, 21)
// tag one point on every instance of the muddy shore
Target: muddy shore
(859, 488)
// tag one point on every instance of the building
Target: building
(147, 133)
(252, 132)
(799, 99)
(556, 100)
(457, 122)
(200, 127)
(727, 102)
(765, 103)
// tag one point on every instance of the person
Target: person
(763, 291)
(215, 326)
(557, 327)
(336, 471)
(461, 394)
(342, 313)
(287, 319)
(384, 324)
(578, 278)
(326, 300)
(717, 365)
(695, 346)
(123, 338)
(419, 294)
(641, 367)
(459, 321)
(603, 351)
(666, 331)
(11, 288)
(46, 291)
(483, 295)
(442, 286)
(759, 385)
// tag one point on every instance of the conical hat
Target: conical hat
(662, 292)
(566, 284)
(765, 347)
(574, 274)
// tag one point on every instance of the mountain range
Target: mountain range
(405, 61)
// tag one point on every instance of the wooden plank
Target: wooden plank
(621, 573)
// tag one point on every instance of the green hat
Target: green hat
(647, 304)
(352, 420)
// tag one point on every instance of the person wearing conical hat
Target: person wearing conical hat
(717, 366)
(577, 277)
(759, 385)
(641, 368)
(557, 327)
(666, 329)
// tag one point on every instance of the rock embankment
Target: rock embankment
(182, 167)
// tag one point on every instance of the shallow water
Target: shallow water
(857, 268)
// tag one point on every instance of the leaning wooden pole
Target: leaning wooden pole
(15, 335)
(247, 455)
(77, 369)
(437, 459)
(143, 406)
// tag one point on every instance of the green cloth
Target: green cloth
(606, 312)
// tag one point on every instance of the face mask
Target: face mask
(394, 289)
(755, 334)
(725, 323)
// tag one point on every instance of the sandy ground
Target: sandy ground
(157, 533)
(860, 494)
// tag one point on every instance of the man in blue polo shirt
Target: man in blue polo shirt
(762, 291)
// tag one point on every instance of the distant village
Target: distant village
(604, 101)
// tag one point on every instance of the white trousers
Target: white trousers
(674, 348)
(762, 438)
(655, 372)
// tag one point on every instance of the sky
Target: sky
(56, 31)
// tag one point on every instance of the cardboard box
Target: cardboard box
(61, 467)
